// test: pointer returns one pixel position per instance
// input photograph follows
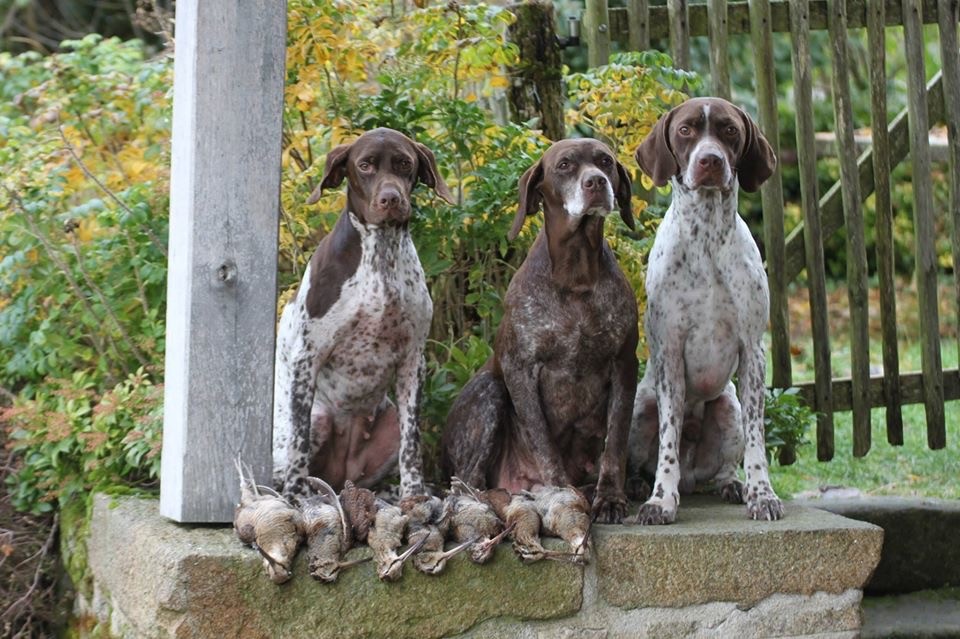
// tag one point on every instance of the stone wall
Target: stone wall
(713, 573)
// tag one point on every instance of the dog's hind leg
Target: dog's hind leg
(473, 435)
(723, 421)
(381, 445)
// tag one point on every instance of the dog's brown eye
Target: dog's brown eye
(563, 165)
(731, 130)
(606, 162)
(684, 130)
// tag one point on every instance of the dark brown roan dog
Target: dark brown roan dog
(554, 400)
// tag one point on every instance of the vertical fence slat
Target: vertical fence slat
(719, 60)
(853, 216)
(813, 239)
(926, 273)
(772, 193)
(596, 32)
(876, 43)
(638, 19)
(679, 33)
(948, 17)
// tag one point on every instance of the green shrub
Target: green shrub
(84, 151)
(787, 420)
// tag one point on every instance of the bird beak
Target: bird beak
(409, 552)
(456, 550)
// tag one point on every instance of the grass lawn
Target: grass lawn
(911, 469)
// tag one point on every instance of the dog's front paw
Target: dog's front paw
(764, 506)
(655, 513)
(609, 508)
(732, 492)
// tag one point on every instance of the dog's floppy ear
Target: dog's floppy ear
(757, 162)
(654, 154)
(334, 172)
(428, 173)
(530, 198)
(625, 196)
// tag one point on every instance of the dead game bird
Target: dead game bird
(565, 513)
(428, 520)
(268, 523)
(386, 537)
(360, 508)
(327, 531)
(473, 520)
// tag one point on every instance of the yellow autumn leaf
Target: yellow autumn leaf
(499, 82)
(304, 93)
(87, 229)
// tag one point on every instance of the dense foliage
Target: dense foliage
(83, 208)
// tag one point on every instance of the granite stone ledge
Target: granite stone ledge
(713, 573)
(156, 578)
(714, 553)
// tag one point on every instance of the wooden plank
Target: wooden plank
(813, 240)
(679, 33)
(221, 285)
(831, 204)
(738, 18)
(910, 383)
(771, 194)
(853, 219)
(876, 44)
(596, 32)
(827, 144)
(638, 16)
(719, 59)
(924, 217)
(949, 16)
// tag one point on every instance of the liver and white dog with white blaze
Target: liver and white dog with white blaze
(707, 309)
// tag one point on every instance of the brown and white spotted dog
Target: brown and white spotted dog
(356, 327)
(552, 405)
(707, 309)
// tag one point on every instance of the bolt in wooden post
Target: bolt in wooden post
(596, 32)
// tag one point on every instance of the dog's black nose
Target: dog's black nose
(595, 182)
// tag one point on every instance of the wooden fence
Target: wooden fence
(639, 25)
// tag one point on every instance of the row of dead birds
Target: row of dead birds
(476, 521)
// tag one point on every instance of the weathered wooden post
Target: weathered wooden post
(221, 286)
(536, 89)
(596, 32)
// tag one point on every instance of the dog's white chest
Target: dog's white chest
(383, 312)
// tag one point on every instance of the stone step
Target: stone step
(927, 614)
(920, 549)
(711, 574)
